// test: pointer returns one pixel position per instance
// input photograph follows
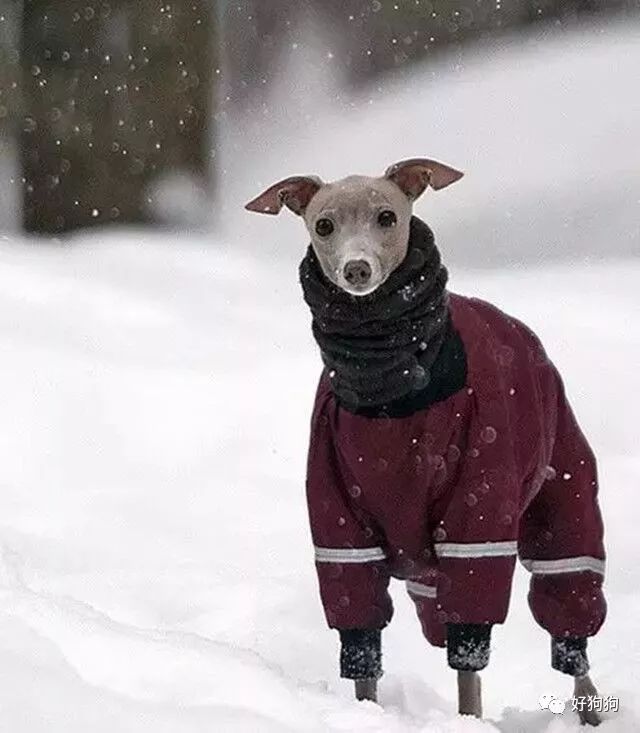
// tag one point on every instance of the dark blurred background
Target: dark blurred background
(101, 100)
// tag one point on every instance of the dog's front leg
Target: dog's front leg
(583, 690)
(469, 694)
(361, 661)
(367, 690)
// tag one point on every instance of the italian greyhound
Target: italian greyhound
(360, 229)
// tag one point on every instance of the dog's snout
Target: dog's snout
(357, 272)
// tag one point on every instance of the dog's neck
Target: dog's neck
(382, 351)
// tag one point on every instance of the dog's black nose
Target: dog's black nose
(357, 272)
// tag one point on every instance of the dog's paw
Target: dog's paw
(366, 690)
(589, 717)
(584, 696)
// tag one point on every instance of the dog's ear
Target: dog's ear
(294, 193)
(414, 175)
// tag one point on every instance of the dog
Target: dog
(442, 444)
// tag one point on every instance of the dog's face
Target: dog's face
(359, 230)
(359, 226)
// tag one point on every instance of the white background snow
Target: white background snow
(156, 571)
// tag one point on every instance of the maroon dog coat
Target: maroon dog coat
(448, 497)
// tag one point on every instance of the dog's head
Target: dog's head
(359, 226)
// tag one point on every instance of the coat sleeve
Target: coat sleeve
(475, 538)
(350, 556)
(349, 549)
(476, 558)
(561, 540)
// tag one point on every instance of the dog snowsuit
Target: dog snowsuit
(446, 488)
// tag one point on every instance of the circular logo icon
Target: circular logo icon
(557, 706)
(544, 701)
(550, 702)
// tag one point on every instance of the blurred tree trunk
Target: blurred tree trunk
(116, 94)
(10, 76)
(9, 65)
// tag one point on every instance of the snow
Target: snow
(156, 571)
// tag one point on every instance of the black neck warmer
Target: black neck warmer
(381, 348)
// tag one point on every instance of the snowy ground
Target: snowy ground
(155, 565)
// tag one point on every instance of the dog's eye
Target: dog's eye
(324, 227)
(387, 219)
